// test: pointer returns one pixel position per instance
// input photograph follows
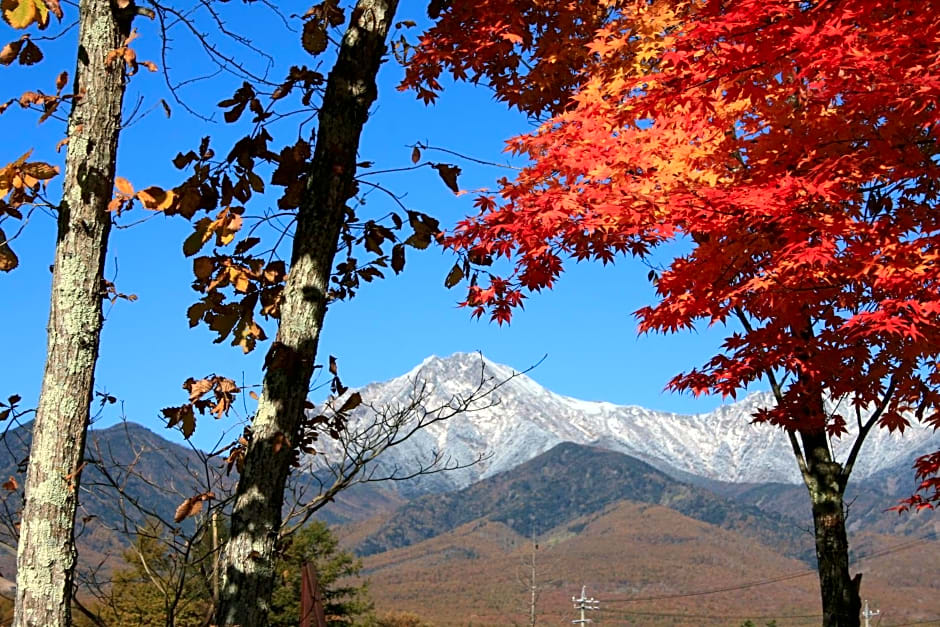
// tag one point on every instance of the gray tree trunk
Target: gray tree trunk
(249, 555)
(826, 483)
(46, 553)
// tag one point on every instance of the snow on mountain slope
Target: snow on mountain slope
(529, 419)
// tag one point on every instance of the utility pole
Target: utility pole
(868, 614)
(532, 587)
(584, 604)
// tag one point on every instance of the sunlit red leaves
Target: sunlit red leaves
(927, 496)
(530, 52)
(792, 149)
(214, 394)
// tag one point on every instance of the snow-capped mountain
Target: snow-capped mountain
(522, 419)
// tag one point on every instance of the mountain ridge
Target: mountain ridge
(529, 419)
(564, 483)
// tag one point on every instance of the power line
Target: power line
(709, 616)
(754, 584)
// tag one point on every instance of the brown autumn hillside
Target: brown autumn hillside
(478, 574)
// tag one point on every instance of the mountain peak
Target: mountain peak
(527, 419)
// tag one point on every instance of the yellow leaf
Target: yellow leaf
(239, 280)
(227, 224)
(19, 13)
(124, 186)
(156, 199)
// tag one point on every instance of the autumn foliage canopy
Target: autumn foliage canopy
(789, 151)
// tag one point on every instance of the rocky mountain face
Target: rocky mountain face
(521, 419)
(563, 484)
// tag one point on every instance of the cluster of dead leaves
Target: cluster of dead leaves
(257, 285)
(47, 103)
(372, 237)
(236, 285)
(20, 14)
(9, 407)
(20, 184)
(214, 394)
(126, 55)
(331, 419)
(22, 50)
(317, 20)
(109, 291)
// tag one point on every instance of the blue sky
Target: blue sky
(584, 326)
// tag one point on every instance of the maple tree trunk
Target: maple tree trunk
(46, 552)
(823, 476)
(249, 555)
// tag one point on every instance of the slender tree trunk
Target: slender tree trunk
(826, 483)
(249, 555)
(46, 554)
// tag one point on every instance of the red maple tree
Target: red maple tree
(791, 146)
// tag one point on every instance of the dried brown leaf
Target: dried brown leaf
(10, 51)
(448, 174)
(124, 186)
(8, 259)
(30, 54)
(189, 507)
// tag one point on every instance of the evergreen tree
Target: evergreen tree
(161, 585)
(346, 601)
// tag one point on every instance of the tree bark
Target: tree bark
(46, 553)
(826, 483)
(249, 555)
